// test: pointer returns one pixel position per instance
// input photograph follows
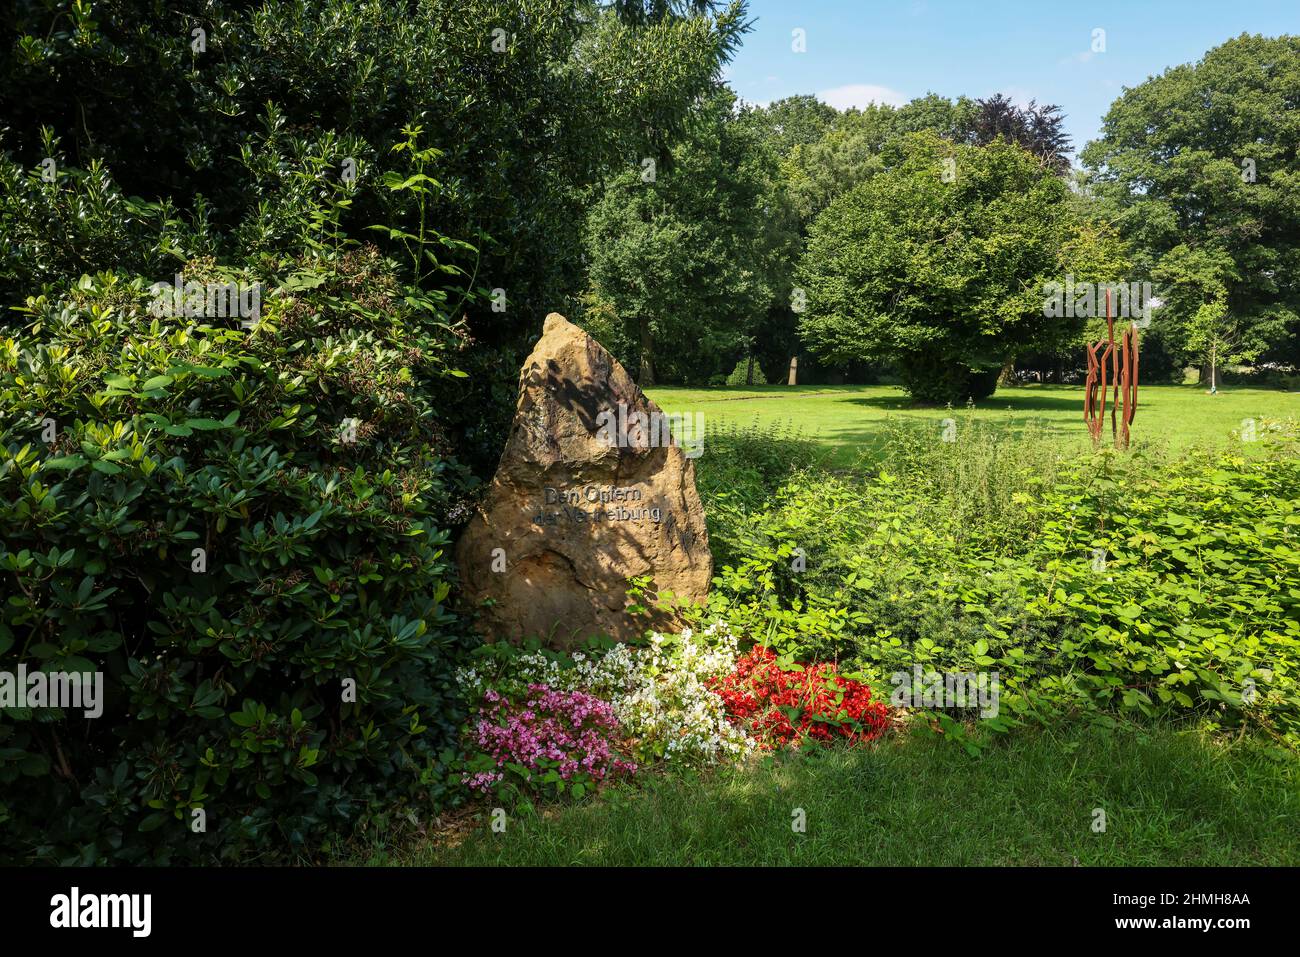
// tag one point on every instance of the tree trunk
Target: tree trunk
(749, 373)
(1007, 375)
(647, 377)
(1214, 368)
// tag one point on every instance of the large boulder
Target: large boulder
(591, 491)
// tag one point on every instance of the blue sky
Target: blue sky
(893, 50)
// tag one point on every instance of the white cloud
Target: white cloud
(1081, 57)
(859, 95)
(1018, 95)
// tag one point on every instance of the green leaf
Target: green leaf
(154, 821)
(65, 462)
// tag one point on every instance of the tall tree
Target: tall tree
(791, 122)
(1034, 127)
(1203, 163)
(941, 261)
(685, 263)
(817, 170)
(1217, 338)
(532, 103)
(824, 153)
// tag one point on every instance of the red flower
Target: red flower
(779, 707)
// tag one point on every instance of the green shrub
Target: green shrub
(741, 374)
(74, 224)
(233, 524)
(738, 471)
(1100, 582)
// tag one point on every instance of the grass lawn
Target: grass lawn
(1170, 799)
(849, 418)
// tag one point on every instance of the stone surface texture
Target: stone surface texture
(563, 505)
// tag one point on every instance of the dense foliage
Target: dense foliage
(242, 525)
(526, 117)
(234, 500)
(531, 103)
(1095, 584)
(1034, 127)
(1201, 166)
(309, 449)
(940, 261)
(847, 150)
(690, 258)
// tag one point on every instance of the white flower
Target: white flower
(660, 693)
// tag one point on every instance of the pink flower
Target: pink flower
(572, 730)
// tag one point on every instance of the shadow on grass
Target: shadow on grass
(1036, 402)
(1169, 798)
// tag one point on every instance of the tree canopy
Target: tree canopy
(1202, 165)
(688, 261)
(939, 262)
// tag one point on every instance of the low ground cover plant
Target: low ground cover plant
(783, 705)
(544, 740)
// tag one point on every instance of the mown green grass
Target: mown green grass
(1170, 797)
(847, 419)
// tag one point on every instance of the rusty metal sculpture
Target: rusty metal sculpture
(1121, 361)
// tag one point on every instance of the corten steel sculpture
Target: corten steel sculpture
(1121, 361)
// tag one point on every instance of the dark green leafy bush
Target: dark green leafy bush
(233, 521)
(531, 118)
(72, 221)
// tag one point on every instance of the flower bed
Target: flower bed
(659, 692)
(550, 721)
(547, 740)
(778, 707)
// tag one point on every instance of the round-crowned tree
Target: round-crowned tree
(940, 263)
(1202, 164)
